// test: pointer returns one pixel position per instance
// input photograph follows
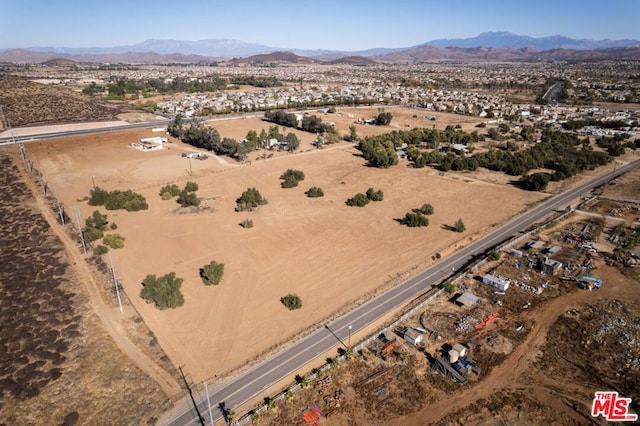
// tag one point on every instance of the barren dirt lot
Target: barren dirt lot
(57, 363)
(326, 252)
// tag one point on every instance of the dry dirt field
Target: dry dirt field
(326, 252)
(58, 365)
(573, 343)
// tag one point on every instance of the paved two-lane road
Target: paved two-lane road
(292, 359)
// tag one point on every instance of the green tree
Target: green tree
(252, 140)
(247, 223)
(92, 234)
(250, 200)
(535, 181)
(291, 301)
(494, 255)
(450, 288)
(115, 241)
(383, 119)
(292, 142)
(375, 195)
(97, 220)
(164, 292)
(188, 199)
(459, 226)
(426, 209)
(100, 250)
(353, 134)
(169, 191)
(98, 196)
(358, 200)
(315, 192)
(191, 187)
(212, 273)
(414, 220)
(291, 177)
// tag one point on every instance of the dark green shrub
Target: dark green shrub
(212, 273)
(374, 195)
(250, 200)
(291, 301)
(100, 250)
(115, 241)
(358, 200)
(164, 292)
(315, 192)
(414, 220)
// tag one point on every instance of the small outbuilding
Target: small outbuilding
(467, 299)
(500, 283)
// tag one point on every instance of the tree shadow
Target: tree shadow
(448, 227)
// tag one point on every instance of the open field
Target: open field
(58, 365)
(572, 343)
(324, 251)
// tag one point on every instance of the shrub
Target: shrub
(98, 196)
(414, 220)
(450, 288)
(191, 187)
(291, 301)
(211, 274)
(459, 226)
(426, 209)
(187, 199)
(374, 195)
(113, 226)
(250, 200)
(115, 241)
(291, 178)
(169, 191)
(164, 292)
(92, 234)
(247, 223)
(100, 250)
(358, 200)
(494, 255)
(315, 192)
(97, 220)
(117, 200)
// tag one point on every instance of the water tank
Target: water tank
(453, 356)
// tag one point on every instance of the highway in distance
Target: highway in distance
(294, 358)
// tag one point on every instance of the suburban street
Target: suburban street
(294, 358)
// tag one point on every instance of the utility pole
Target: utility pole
(60, 211)
(80, 234)
(115, 281)
(200, 418)
(349, 336)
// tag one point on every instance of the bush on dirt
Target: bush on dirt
(164, 292)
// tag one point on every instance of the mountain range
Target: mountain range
(490, 46)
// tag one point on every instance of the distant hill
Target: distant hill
(489, 46)
(353, 60)
(507, 39)
(274, 58)
(428, 53)
(55, 62)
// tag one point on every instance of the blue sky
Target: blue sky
(327, 24)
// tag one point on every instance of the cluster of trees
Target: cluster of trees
(383, 119)
(94, 226)
(315, 192)
(605, 124)
(614, 144)
(117, 200)
(250, 200)
(291, 301)
(163, 291)
(187, 197)
(535, 181)
(252, 80)
(378, 152)
(168, 192)
(314, 124)
(282, 118)
(361, 200)
(418, 217)
(291, 178)
(203, 137)
(212, 273)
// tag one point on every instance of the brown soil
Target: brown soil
(258, 261)
(58, 365)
